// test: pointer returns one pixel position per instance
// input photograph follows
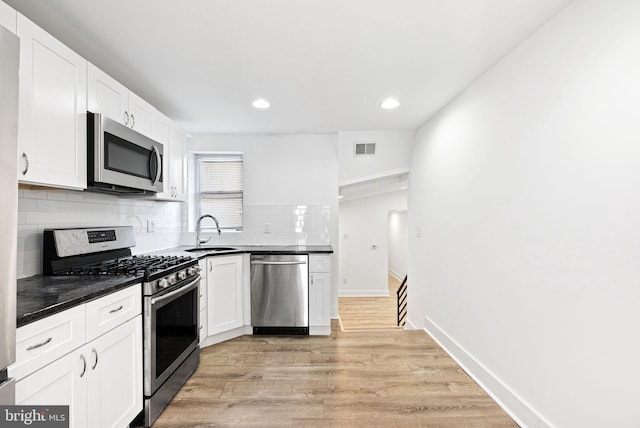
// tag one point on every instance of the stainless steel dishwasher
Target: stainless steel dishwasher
(280, 294)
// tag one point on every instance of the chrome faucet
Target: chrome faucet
(198, 241)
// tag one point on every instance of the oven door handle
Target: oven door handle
(176, 293)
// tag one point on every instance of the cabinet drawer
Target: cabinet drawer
(44, 341)
(110, 311)
(319, 263)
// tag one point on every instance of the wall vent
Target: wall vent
(364, 148)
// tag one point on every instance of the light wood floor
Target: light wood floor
(370, 313)
(391, 378)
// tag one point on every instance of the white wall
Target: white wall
(393, 155)
(282, 172)
(364, 223)
(41, 208)
(398, 243)
(524, 192)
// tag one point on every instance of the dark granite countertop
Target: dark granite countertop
(41, 296)
(210, 250)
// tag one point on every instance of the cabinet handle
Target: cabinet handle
(38, 345)
(94, 352)
(113, 311)
(26, 163)
(210, 266)
(126, 118)
(133, 121)
(84, 365)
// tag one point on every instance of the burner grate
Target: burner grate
(134, 265)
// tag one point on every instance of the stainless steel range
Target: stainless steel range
(170, 301)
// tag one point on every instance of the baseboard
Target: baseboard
(518, 409)
(227, 335)
(363, 293)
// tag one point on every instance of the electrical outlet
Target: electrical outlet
(151, 226)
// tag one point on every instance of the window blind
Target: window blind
(221, 187)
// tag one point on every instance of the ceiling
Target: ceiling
(324, 65)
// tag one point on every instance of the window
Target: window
(219, 188)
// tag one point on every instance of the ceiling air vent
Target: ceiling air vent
(363, 148)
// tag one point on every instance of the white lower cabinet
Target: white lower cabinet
(115, 376)
(100, 381)
(224, 293)
(319, 294)
(63, 382)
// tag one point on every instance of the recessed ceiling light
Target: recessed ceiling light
(261, 103)
(389, 104)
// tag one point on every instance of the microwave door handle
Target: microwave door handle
(158, 162)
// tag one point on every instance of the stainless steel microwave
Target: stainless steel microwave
(121, 160)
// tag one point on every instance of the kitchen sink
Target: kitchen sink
(210, 249)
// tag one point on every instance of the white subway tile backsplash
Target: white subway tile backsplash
(287, 224)
(39, 209)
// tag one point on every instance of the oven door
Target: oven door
(120, 156)
(170, 331)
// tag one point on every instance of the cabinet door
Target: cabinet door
(52, 124)
(106, 95)
(8, 17)
(224, 283)
(178, 159)
(319, 299)
(115, 375)
(142, 115)
(63, 382)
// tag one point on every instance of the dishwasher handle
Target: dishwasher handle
(260, 262)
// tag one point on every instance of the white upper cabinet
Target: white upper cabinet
(52, 124)
(108, 96)
(174, 142)
(141, 115)
(8, 17)
(177, 162)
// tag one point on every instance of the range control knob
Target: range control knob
(182, 275)
(163, 283)
(172, 280)
(192, 271)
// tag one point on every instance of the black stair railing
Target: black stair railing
(402, 302)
